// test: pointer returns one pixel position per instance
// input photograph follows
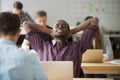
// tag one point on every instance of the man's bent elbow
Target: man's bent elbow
(26, 27)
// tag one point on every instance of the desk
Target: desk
(92, 79)
(100, 68)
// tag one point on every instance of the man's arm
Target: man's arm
(25, 45)
(87, 36)
(82, 26)
(28, 26)
(34, 39)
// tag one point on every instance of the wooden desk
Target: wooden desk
(92, 79)
(100, 68)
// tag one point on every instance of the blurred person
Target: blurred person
(24, 16)
(100, 41)
(15, 63)
(17, 9)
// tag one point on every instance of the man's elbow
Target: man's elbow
(26, 27)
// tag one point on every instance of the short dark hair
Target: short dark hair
(18, 5)
(9, 23)
(88, 17)
(41, 13)
(65, 23)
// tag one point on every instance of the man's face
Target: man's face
(61, 29)
(41, 20)
(16, 11)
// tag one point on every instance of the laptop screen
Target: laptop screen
(58, 70)
(93, 56)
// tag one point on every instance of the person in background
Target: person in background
(100, 41)
(61, 49)
(24, 16)
(17, 9)
(15, 63)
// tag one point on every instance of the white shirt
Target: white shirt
(107, 48)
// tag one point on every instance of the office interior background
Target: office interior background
(73, 11)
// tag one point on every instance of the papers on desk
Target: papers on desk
(114, 62)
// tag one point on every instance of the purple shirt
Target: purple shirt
(68, 51)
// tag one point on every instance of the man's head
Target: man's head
(17, 7)
(61, 30)
(41, 18)
(9, 25)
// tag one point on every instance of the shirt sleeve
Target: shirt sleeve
(34, 65)
(107, 48)
(85, 42)
(35, 40)
(38, 70)
(28, 17)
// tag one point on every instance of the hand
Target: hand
(26, 27)
(94, 21)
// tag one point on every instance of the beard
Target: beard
(60, 37)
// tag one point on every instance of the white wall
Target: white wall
(55, 11)
(72, 10)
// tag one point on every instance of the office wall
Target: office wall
(73, 10)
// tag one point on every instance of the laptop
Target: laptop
(58, 70)
(93, 56)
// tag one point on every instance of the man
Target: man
(24, 16)
(15, 63)
(61, 49)
(41, 19)
(17, 9)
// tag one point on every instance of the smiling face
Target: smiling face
(61, 29)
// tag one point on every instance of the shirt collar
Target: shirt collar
(5, 41)
(54, 42)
